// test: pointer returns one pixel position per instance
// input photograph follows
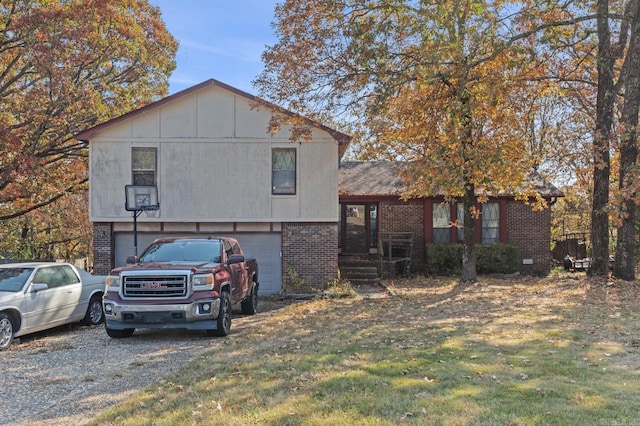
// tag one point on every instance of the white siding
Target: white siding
(214, 164)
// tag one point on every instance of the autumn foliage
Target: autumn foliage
(65, 66)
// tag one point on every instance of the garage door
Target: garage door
(265, 248)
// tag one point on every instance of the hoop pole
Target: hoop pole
(135, 232)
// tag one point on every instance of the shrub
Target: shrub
(498, 258)
(446, 259)
(443, 259)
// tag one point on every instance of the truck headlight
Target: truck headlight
(113, 284)
(203, 282)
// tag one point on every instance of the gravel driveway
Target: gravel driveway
(69, 374)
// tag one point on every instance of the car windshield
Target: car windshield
(13, 279)
(183, 251)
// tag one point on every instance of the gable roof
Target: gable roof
(380, 178)
(342, 139)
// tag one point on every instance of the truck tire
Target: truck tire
(250, 304)
(119, 334)
(95, 314)
(6, 331)
(224, 317)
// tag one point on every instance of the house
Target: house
(292, 206)
(373, 189)
(218, 171)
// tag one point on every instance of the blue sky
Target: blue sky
(220, 39)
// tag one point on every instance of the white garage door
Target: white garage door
(265, 248)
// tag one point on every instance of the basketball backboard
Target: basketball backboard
(141, 197)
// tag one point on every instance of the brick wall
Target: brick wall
(531, 232)
(407, 216)
(102, 248)
(312, 250)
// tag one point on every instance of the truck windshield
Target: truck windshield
(183, 250)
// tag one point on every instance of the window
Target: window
(490, 223)
(460, 237)
(227, 249)
(373, 225)
(283, 163)
(52, 276)
(143, 166)
(71, 276)
(441, 222)
(235, 247)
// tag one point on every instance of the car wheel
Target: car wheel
(6, 331)
(224, 317)
(119, 334)
(95, 314)
(250, 304)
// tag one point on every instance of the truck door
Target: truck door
(238, 273)
(243, 283)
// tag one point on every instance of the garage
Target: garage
(264, 247)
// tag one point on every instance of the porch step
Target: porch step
(359, 270)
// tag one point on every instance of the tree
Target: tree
(616, 61)
(629, 179)
(65, 66)
(438, 84)
(60, 230)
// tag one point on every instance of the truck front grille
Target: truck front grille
(155, 286)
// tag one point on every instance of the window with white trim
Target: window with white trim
(283, 167)
(143, 165)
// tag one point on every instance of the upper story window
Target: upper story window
(283, 166)
(143, 165)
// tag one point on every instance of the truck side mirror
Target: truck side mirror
(131, 260)
(235, 258)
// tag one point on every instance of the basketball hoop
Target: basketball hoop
(138, 199)
(141, 198)
(151, 212)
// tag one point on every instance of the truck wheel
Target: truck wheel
(6, 331)
(224, 317)
(94, 315)
(250, 304)
(118, 334)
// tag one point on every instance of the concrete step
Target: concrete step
(352, 272)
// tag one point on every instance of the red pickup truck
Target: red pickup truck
(188, 283)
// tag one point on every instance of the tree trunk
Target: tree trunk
(624, 267)
(601, 168)
(469, 235)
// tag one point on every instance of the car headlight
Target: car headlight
(203, 282)
(113, 284)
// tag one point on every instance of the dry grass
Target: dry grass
(524, 351)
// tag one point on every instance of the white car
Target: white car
(41, 295)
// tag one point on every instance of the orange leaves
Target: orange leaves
(67, 65)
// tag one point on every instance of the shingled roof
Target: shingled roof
(380, 178)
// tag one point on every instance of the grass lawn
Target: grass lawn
(560, 350)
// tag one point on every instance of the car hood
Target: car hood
(189, 265)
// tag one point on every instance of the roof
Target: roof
(368, 178)
(342, 139)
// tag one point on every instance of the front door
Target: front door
(358, 227)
